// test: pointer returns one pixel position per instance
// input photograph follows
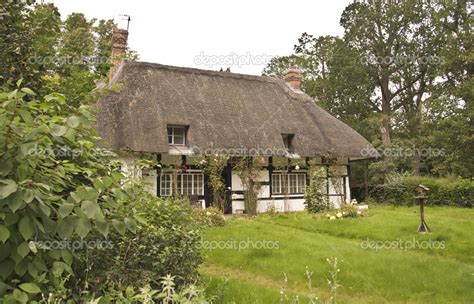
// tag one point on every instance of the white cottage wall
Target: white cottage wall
(131, 170)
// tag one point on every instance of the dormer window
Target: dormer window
(287, 141)
(176, 135)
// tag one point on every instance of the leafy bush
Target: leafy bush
(347, 210)
(213, 166)
(315, 200)
(56, 187)
(443, 191)
(167, 292)
(165, 243)
(248, 173)
(210, 217)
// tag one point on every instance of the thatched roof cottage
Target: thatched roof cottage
(178, 115)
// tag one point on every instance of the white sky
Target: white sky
(187, 33)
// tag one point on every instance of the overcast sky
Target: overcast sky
(199, 33)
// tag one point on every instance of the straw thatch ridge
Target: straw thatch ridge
(221, 109)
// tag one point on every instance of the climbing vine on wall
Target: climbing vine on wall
(248, 174)
(213, 166)
(315, 200)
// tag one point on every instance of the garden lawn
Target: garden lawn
(389, 275)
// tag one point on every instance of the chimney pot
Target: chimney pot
(293, 77)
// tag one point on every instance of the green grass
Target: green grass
(367, 275)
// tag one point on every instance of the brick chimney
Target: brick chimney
(293, 77)
(119, 46)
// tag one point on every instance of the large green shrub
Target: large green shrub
(165, 243)
(213, 166)
(399, 190)
(56, 188)
(55, 185)
(209, 217)
(314, 199)
(248, 174)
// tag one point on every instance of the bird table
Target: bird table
(421, 196)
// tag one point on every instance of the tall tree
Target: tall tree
(406, 68)
(450, 123)
(28, 35)
(51, 55)
(399, 51)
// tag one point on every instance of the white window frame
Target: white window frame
(196, 187)
(277, 183)
(173, 135)
(299, 178)
(166, 191)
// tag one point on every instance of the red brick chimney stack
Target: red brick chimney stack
(293, 77)
(119, 47)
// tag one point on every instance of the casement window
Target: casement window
(277, 183)
(166, 185)
(191, 183)
(187, 184)
(176, 135)
(296, 183)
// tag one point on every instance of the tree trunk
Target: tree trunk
(385, 125)
(387, 142)
(416, 161)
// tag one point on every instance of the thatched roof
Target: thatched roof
(222, 109)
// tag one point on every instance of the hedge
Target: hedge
(443, 191)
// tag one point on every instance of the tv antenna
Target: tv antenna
(126, 17)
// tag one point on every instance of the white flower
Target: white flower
(354, 202)
(208, 213)
(339, 214)
(332, 217)
(297, 167)
(359, 212)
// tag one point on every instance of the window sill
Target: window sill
(289, 195)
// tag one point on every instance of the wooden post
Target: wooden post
(422, 190)
(423, 228)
